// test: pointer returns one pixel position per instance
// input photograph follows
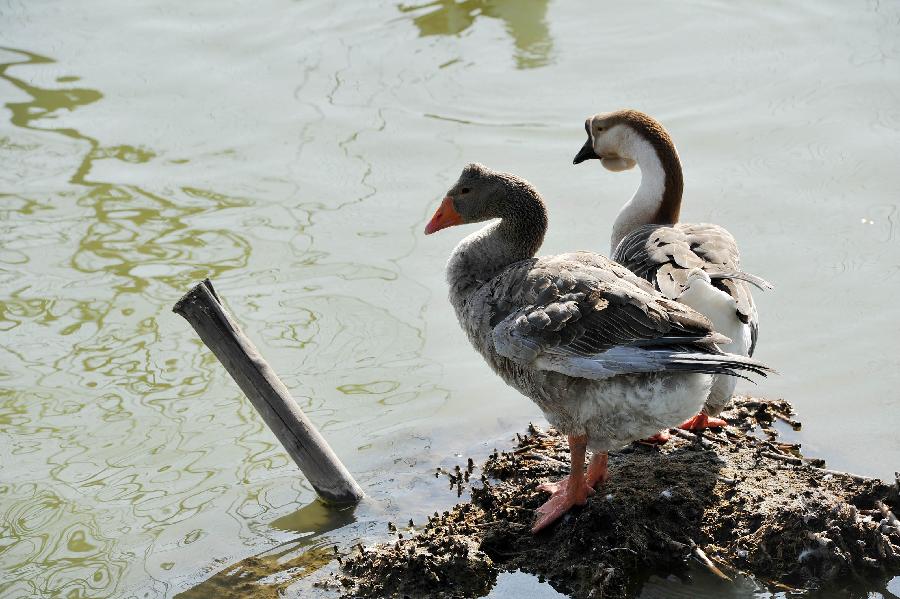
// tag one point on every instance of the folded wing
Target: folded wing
(586, 316)
(665, 256)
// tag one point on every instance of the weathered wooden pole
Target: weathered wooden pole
(204, 311)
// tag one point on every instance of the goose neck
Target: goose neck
(658, 198)
(485, 253)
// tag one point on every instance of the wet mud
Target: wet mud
(733, 501)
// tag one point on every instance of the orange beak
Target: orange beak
(446, 216)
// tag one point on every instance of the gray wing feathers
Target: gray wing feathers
(515, 336)
(583, 313)
(633, 360)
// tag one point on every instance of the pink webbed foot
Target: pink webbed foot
(701, 421)
(572, 490)
(561, 487)
(660, 438)
(565, 496)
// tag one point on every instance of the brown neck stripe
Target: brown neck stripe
(654, 133)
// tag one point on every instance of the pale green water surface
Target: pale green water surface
(292, 151)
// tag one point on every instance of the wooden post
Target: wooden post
(203, 309)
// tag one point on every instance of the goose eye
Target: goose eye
(464, 190)
(599, 129)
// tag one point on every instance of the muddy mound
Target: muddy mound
(736, 500)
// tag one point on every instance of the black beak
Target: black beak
(585, 153)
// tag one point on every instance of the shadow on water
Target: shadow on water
(315, 517)
(264, 576)
(268, 574)
(525, 22)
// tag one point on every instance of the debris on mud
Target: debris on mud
(735, 501)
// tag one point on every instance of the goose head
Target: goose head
(478, 195)
(622, 138)
(627, 138)
(481, 194)
(611, 139)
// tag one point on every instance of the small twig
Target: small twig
(631, 551)
(856, 477)
(701, 556)
(683, 434)
(722, 563)
(794, 424)
(783, 587)
(716, 438)
(782, 447)
(781, 457)
(692, 437)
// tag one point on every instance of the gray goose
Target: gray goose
(606, 357)
(696, 264)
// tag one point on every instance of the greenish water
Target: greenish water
(292, 151)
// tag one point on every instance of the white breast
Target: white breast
(624, 409)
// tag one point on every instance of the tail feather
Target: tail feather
(740, 275)
(721, 363)
(635, 360)
(682, 340)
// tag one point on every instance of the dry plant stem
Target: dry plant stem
(703, 559)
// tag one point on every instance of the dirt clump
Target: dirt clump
(736, 501)
(441, 562)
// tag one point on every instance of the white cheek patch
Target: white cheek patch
(617, 164)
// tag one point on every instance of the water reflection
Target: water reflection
(43, 532)
(44, 102)
(95, 395)
(288, 159)
(268, 574)
(105, 416)
(264, 576)
(524, 20)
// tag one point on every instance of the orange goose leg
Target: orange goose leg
(597, 471)
(573, 489)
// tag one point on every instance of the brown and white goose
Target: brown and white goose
(697, 264)
(606, 357)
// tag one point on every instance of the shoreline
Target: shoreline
(733, 501)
